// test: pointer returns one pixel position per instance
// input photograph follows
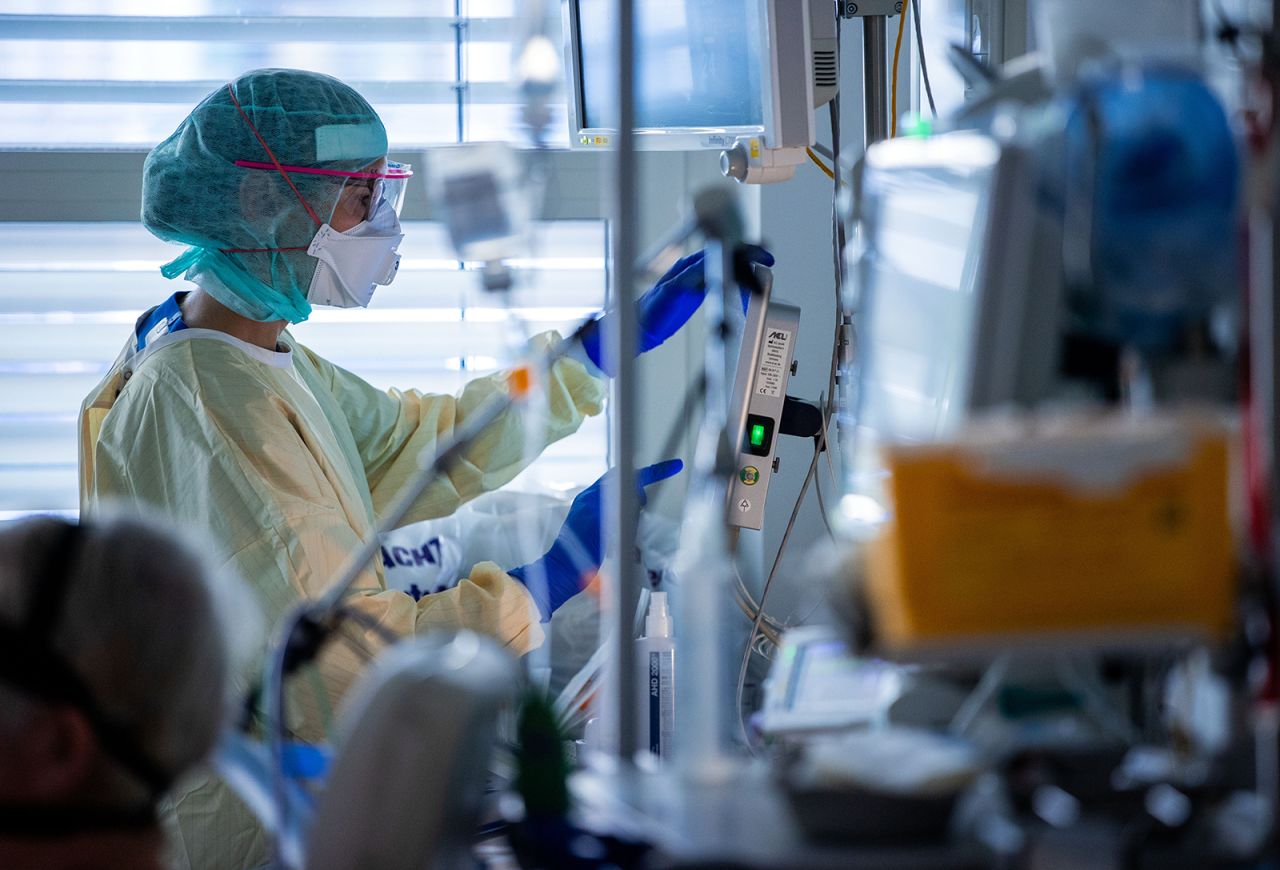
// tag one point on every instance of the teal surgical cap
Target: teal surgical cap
(194, 193)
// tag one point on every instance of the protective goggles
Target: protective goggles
(389, 184)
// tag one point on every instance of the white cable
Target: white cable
(987, 686)
(764, 594)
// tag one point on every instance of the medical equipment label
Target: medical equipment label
(771, 377)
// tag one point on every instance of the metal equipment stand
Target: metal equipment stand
(875, 15)
(875, 77)
(622, 511)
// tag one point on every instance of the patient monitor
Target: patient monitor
(949, 319)
(738, 76)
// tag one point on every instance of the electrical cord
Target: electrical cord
(770, 627)
(820, 442)
(838, 241)
(924, 65)
(897, 49)
(831, 468)
(764, 594)
(822, 507)
(818, 163)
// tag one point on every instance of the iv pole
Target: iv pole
(622, 509)
(875, 82)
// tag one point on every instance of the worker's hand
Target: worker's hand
(668, 305)
(579, 549)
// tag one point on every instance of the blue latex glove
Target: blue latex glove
(666, 306)
(578, 550)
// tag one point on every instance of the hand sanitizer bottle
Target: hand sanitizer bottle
(656, 658)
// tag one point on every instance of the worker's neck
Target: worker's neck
(202, 311)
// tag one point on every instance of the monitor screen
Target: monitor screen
(954, 314)
(920, 276)
(697, 64)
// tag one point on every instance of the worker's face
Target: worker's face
(356, 200)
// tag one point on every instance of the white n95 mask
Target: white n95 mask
(353, 263)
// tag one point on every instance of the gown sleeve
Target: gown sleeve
(393, 427)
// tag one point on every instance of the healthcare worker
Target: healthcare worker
(214, 414)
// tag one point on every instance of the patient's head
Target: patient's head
(114, 664)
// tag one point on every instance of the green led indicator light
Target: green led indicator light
(757, 435)
(916, 126)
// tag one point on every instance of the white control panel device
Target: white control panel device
(816, 684)
(764, 370)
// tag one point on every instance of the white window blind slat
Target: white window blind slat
(101, 246)
(123, 73)
(128, 292)
(237, 8)
(186, 94)
(241, 30)
(266, 8)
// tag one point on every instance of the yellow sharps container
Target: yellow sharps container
(1112, 529)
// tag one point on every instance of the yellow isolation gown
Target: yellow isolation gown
(281, 461)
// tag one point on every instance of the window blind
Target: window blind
(123, 73)
(103, 75)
